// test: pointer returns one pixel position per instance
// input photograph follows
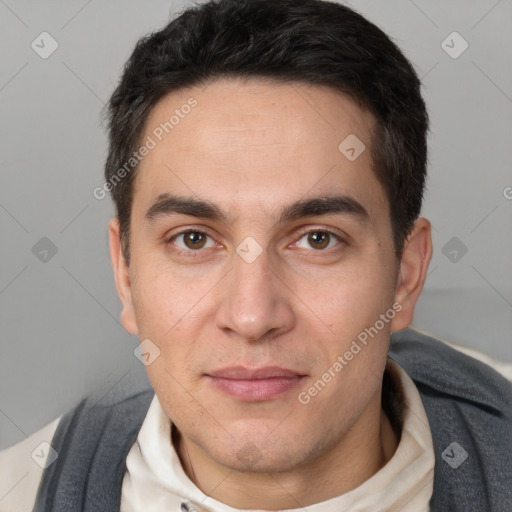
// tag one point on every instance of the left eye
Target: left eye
(192, 240)
(318, 240)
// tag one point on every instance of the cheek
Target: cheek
(351, 301)
(172, 312)
(153, 307)
(164, 298)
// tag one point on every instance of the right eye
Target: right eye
(192, 240)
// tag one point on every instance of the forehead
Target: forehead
(256, 143)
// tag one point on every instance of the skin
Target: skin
(253, 147)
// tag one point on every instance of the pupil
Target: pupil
(318, 239)
(195, 240)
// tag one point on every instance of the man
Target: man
(267, 162)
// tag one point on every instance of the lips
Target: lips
(254, 384)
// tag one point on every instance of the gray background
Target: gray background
(61, 336)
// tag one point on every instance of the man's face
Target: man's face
(290, 260)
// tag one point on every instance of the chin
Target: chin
(264, 452)
(251, 459)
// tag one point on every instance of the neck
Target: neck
(345, 466)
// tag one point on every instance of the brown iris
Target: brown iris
(318, 239)
(194, 239)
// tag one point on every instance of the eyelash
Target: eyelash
(318, 230)
(195, 253)
(187, 252)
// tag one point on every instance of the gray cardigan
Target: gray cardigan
(469, 408)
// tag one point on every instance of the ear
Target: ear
(122, 277)
(412, 273)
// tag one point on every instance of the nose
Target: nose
(254, 303)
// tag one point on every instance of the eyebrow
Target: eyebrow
(323, 205)
(168, 204)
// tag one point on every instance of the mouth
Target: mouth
(253, 385)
